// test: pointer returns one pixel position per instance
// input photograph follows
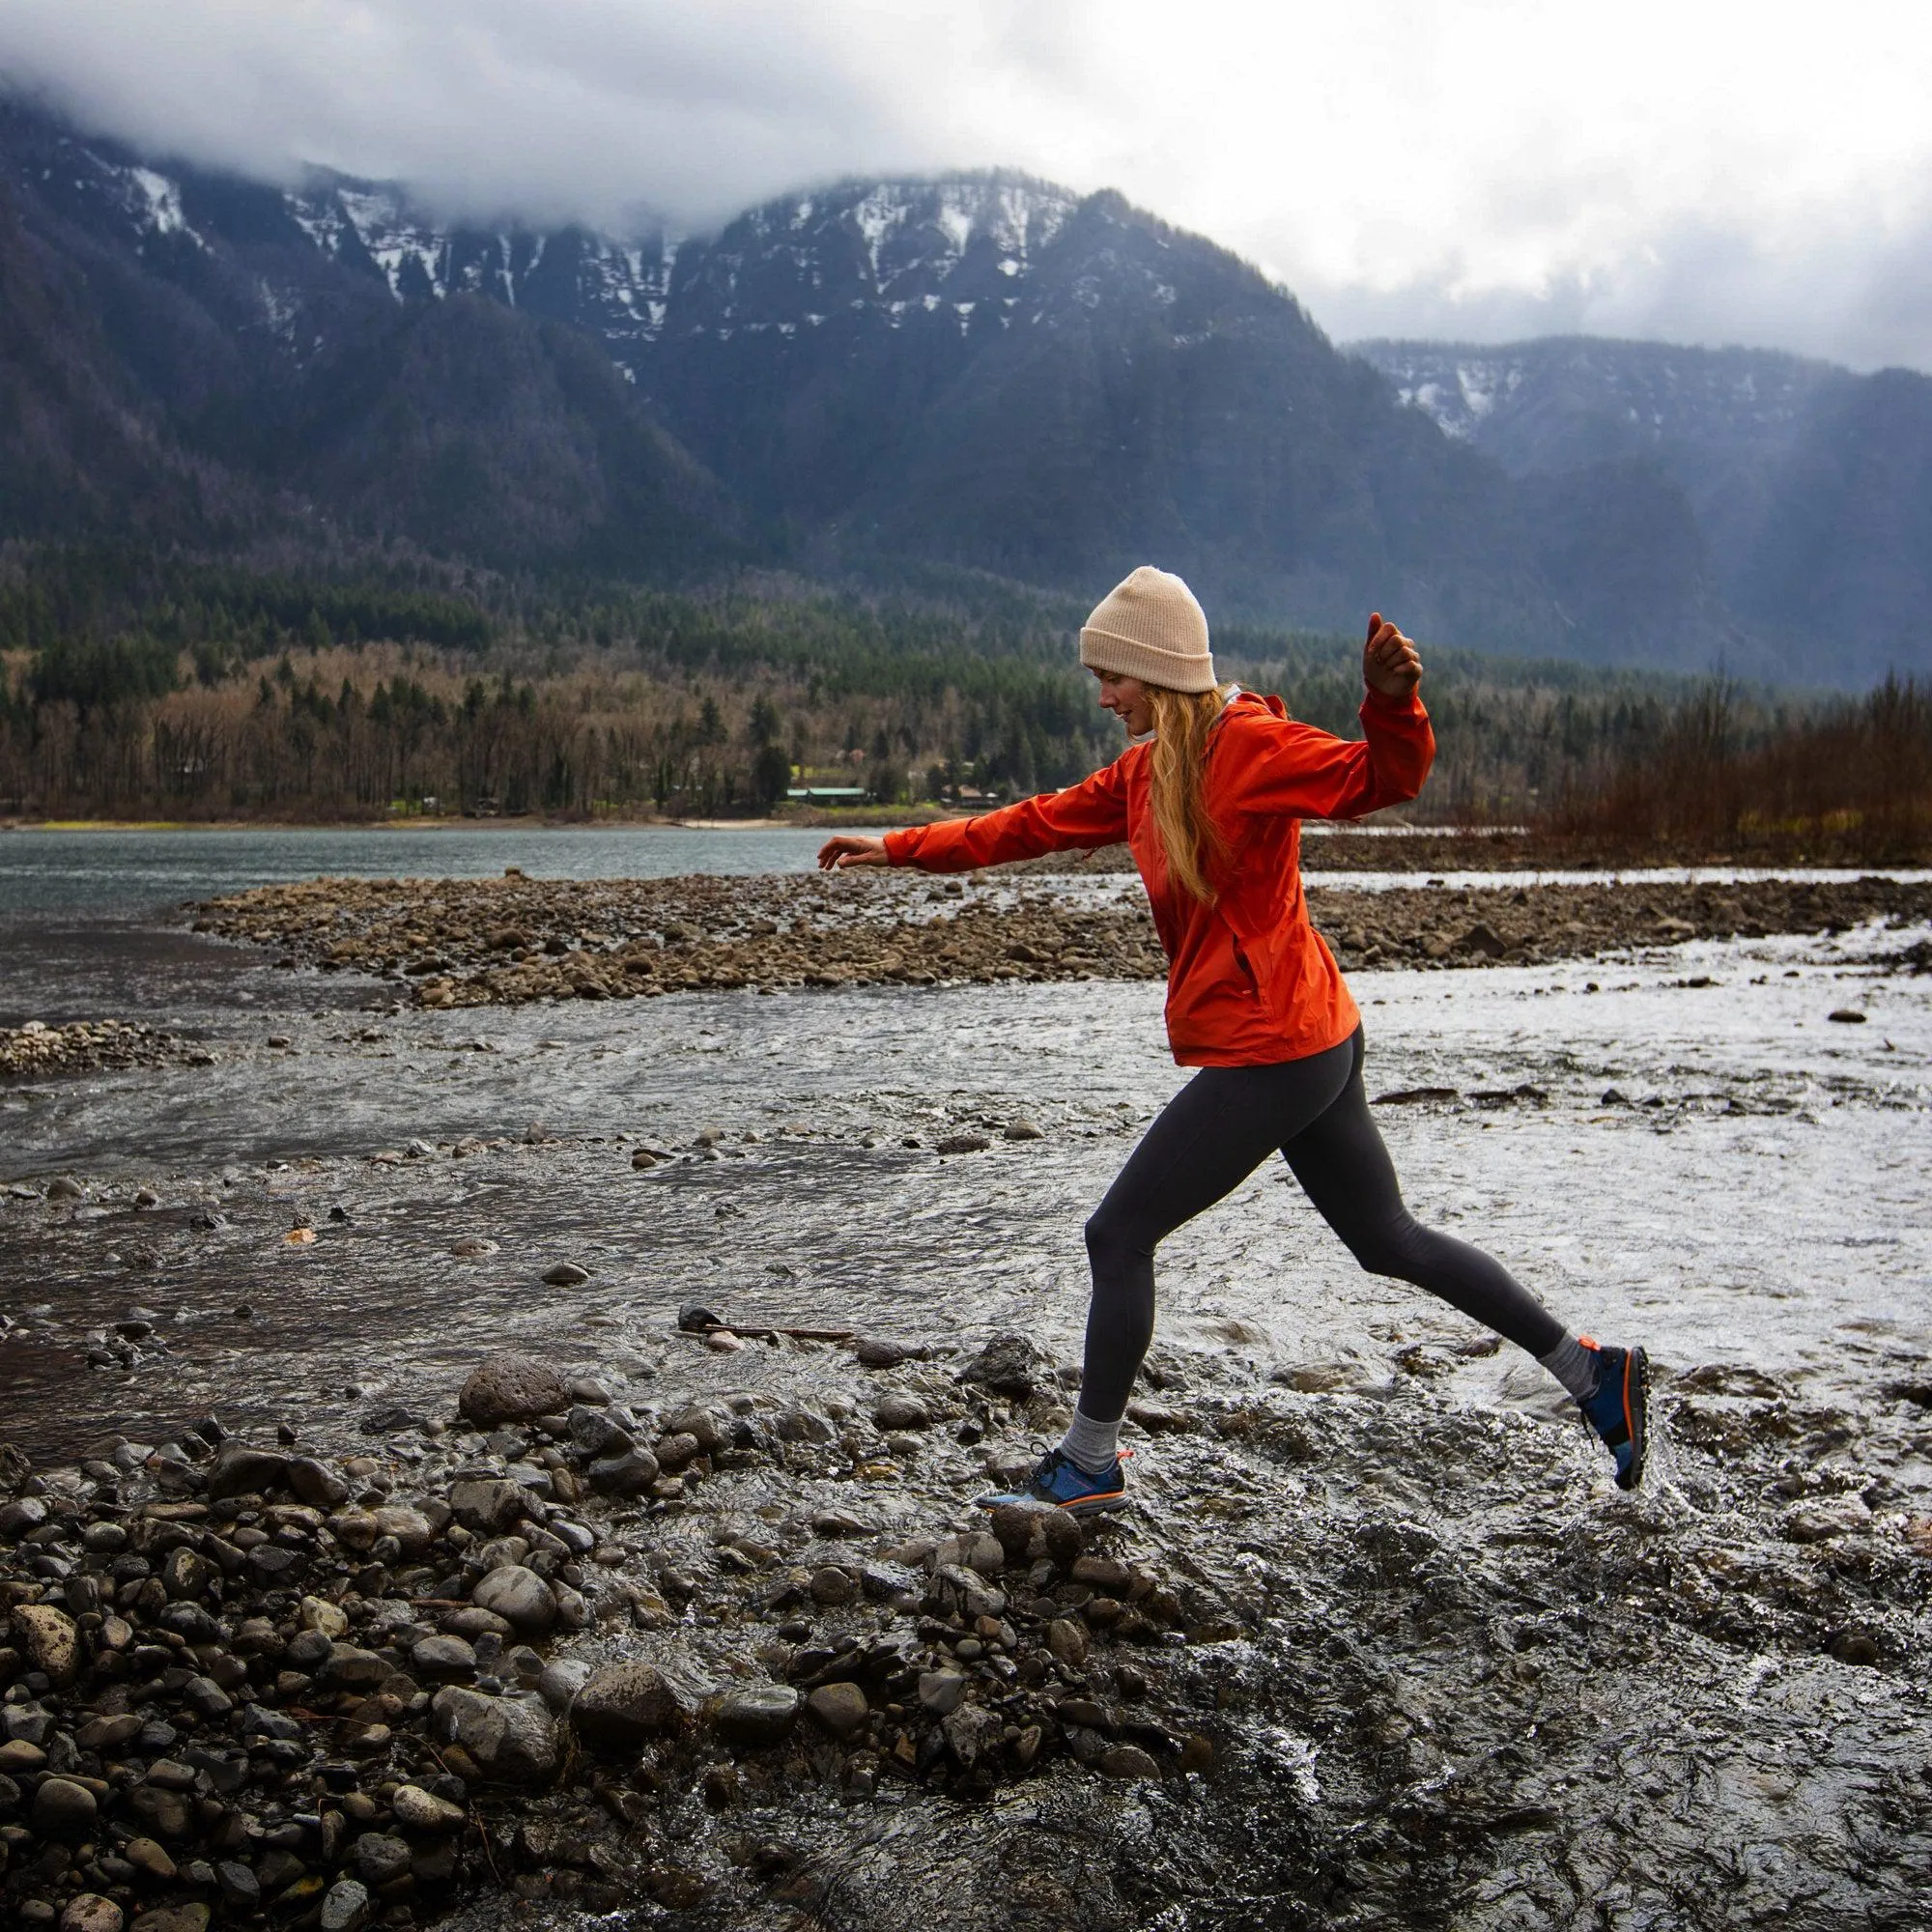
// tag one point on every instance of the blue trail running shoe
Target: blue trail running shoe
(1618, 1412)
(1059, 1483)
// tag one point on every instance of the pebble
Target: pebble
(566, 1274)
(49, 1638)
(901, 1410)
(939, 1692)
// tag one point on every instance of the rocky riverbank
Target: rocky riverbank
(481, 942)
(37, 1051)
(242, 1678)
(730, 1659)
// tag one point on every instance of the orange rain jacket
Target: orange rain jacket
(1249, 981)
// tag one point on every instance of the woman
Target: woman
(1209, 794)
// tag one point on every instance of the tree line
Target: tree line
(134, 684)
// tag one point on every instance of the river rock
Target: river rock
(510, 1737)
(317, 1484)
(380, 1857)
(64, 1809)
(239, 1470)
(345, 1908)
(1009, 1365)
(971, 1731)
(318, 1613)
(902, 1409)
(629, 1472)
(49, 1638)
(841, 1708)
(941, 1692)
(1066, 1640)
(89, 1911)
(625, 1705)
(566, 1274)
(519, 1596)
(487, 1506)
(512, 1388)
(755, 1714)
(443, 1657)
(420, 1810)
(1128, 1761)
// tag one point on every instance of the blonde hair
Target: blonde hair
(1190, 838)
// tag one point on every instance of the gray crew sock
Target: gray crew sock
(1088, 1445)
(1574, 1366)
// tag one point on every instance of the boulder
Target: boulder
(512, 1388)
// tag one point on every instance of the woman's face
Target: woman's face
(1127, 697)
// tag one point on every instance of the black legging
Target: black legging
(1207, 1140)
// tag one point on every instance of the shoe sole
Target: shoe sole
(1636, 1415)
(1080, 1506)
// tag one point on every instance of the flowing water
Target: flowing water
(1464, 1683)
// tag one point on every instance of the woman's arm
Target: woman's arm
(1307, 773)
(1093, 812)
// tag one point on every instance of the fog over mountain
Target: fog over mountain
(985, 370)
(1482, 172)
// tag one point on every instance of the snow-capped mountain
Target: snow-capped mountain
(977, 369)
(1561, 400)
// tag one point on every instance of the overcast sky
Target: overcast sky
(1695, 170)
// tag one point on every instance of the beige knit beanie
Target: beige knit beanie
(1151, 628)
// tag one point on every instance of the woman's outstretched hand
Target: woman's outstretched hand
(1390, 665)
(848, 849)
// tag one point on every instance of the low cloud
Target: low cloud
(1487, 171)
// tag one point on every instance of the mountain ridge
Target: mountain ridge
(976, 369)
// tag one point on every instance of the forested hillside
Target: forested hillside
(985, 373)
(187, 691)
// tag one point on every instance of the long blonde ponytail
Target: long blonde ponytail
(1190, 838)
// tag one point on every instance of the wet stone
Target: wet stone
(512, 1388)
(519, 1596)
(380, 1858)
(624, 1705)
(49, 1638)
(316, 1484)
(841, 1708)
(566, 1274)
(345, 1907)
(488, 1507)
(1128, 1761)
(939, 1692)
(64, 1809)
(758, 1714)
(629, 1472)
(237, 1470)
(900, 1410)
(90, 1912)
(443, 1657)
(510, 1737)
